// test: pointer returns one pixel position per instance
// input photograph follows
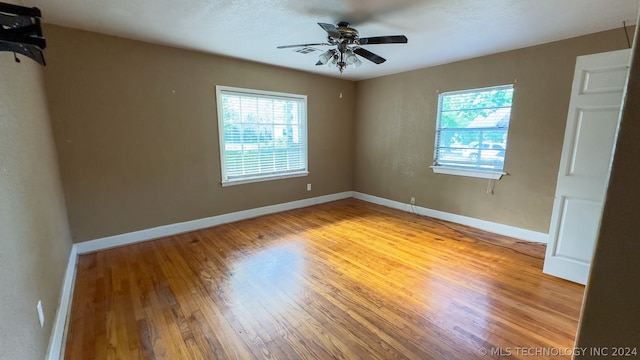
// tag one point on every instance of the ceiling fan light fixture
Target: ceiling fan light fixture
(333, 60)
(326, 56)
(352, 59)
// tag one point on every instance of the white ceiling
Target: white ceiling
(439, 31)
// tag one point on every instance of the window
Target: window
(263, 135)
(471, 132)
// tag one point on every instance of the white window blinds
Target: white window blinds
(262, 134)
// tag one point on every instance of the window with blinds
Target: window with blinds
(472, 128)
(262, 134)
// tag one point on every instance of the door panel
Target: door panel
(577, 234)
(587, 151)
(595, 133)
(603, 80)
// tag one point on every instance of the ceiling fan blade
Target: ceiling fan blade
(28, 50)
(369, 55)
(392, 39)
(301, 45)
(11, 21)
(331, 29)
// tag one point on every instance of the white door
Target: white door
(589, 142)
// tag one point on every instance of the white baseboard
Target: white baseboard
(507, 230)
(183, 227)
(60, 324)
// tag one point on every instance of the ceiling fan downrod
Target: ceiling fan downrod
(342, 64)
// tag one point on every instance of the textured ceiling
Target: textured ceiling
(439, 31)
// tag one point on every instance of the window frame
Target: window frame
(225, 180)
(470, 171)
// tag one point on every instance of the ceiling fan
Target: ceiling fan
(347, 42)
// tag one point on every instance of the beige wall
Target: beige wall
(34, 235)
(136, 129)
(611, 311)
(395, 130)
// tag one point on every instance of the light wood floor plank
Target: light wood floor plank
(342, 280)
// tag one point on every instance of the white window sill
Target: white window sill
(493, 175)
(263, 178)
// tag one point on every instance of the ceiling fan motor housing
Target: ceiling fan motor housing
(347, 33)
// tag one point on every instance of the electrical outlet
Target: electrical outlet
(309, 187)
(40, 313)
(413, 200)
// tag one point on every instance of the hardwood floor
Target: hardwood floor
(343, 280)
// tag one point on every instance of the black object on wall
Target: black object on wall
(21, 32)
